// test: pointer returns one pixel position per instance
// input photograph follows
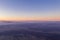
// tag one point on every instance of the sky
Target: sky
(21, 10)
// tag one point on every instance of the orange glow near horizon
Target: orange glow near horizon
(29, 18)
(36, 10)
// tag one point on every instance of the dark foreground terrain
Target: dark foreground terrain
(30, 31)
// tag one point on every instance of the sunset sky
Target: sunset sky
(19, 10)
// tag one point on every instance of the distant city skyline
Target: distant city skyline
(23, 10)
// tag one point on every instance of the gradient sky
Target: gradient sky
(30, 10)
